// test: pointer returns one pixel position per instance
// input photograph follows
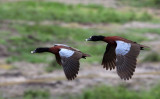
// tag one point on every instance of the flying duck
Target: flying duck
(120, 53)
(66, 56)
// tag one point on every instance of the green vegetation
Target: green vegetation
(36, 94)
(120, 92)
(142, 3)
(38, 11)
(145, 30)
(152, 57)
(52, 66)
(99, 92)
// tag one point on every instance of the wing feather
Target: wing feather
(71, 68)
(109, 57)
(126, 62)
(70, 62)
(58, 59)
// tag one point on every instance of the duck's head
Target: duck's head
(40, 50)
(96, 38)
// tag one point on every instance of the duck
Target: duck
(66, 56)
(120, 53)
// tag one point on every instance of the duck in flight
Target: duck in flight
(120, 53)
(66, 56)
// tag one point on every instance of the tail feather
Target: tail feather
(143, 46)
(85, 55)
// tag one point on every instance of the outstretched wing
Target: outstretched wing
(109, 57)
(126, 54)
(70, 62)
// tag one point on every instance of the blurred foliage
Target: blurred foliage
(145, 30)
(120, 92)
(99, 92)
(152, 57)
(142, 3)
(38, 11)
(53, 66)
(36, 94)
(154, 92)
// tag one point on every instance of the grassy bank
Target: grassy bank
(38, 11)
(98, 92)
(142, 3)
(120, 92)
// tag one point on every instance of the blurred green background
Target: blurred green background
(28, 24)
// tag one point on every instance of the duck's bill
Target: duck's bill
(88, 39)
(33, 52)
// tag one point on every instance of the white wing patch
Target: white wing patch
(66, 52)
(122, 48)
(61, 45)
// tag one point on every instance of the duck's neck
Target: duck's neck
(109, 40)
(43, 49)
(100, 38)
(46, 49)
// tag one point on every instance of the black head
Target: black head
(40, 50)
(95, 38)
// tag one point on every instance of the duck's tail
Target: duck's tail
(142, 47)
(85, 55)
